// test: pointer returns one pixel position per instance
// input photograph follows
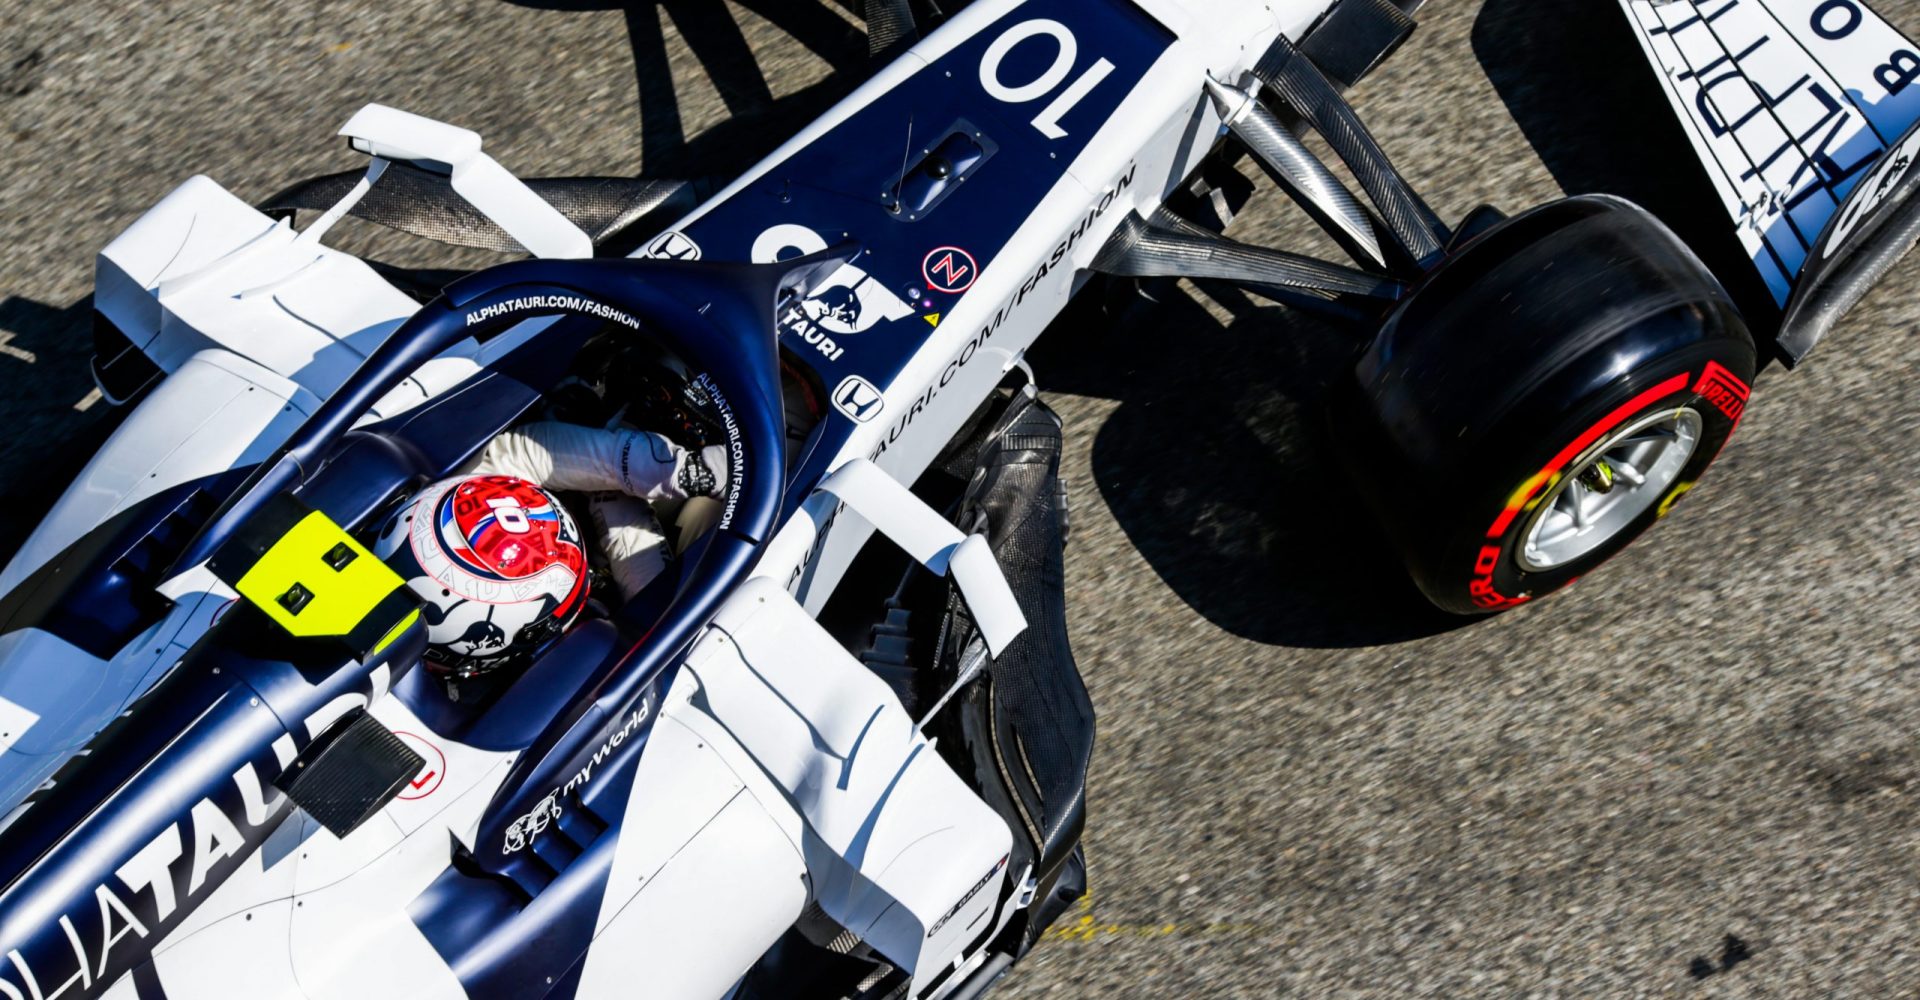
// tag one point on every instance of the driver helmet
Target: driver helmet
(496, 561)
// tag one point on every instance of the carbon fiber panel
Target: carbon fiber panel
(1040, 716)
(1140, 249)
(423, 204)
(889, 26)
(1305, 89)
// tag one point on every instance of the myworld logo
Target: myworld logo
(612, 743)
(521, 832)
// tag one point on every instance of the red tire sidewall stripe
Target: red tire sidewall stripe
(1579, 444)
(1489, 555)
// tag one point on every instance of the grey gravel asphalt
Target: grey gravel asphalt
(1695, 774)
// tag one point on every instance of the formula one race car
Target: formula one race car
(517, 633)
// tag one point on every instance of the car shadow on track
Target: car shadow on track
(1219, 465)
(757, 122)
(53, 424)
(1575, 81)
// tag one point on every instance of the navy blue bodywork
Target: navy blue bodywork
(841, 186)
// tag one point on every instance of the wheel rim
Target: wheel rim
(1606, 492)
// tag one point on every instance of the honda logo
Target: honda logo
(858, 399)
(673, 246)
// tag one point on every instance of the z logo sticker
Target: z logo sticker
(949, 269)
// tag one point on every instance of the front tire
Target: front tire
(1551, 392)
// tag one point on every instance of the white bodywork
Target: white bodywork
(1785, 102)
(792, 775)
(780, 772)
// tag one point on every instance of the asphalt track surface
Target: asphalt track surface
(1695, 774)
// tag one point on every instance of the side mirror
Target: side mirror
(391, 134)
(931, 540)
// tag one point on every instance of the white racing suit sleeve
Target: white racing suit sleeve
(564, 456)
(561, 456)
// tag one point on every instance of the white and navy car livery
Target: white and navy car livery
(656, 805)
(706, 791)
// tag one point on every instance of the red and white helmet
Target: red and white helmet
(498, 563)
